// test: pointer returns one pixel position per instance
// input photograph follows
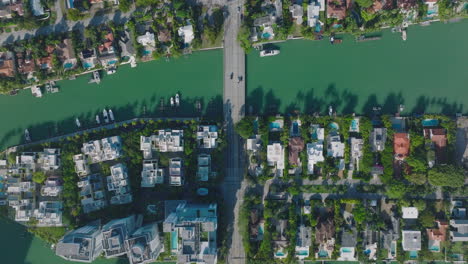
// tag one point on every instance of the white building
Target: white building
(103, 150)
(411, 240)
(275, 155)
(26, 160)
(92, 193)
(356, 152)
(204, 167)
(49, 213)
(410, 212)
(176, 177)
(314, 155)
(186, 33)
(52, 187)
(49, 159)
(23, 210)
(254, 144)
(118, 185)
(146, 145)
(147, 39)
(151, 174)
(207, 136)
(168, 141)
(81, 165)
(335, 148)
(313, 13)
(297, 12)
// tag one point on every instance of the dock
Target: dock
(96, 78)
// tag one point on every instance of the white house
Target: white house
(275, 155)
(314, 155)
(118, 185)
(81, 166)
(410, 212)
(49, 213)
(49, 159)
(335, 146)
(207, 136)
(297, 12)
(175, 172)
(313, 13)
(411, 240)
(147, 39)
(186, 33)
(151, 174)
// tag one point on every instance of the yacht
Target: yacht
(26, 135)
(330, 110)
(98, 121)
(106, 117)
(403, 34)
(266, 53)
(111, 115)
(77, 121)
(177, 99)
(172, 101)
(36, 91)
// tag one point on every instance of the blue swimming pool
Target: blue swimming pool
(295, 128)
(346, 250)
(434, 248)
(354, 125)
(275, 125)
(266, 35)
(367, 251)
(71, 4)
(279, 254)
(318, 28)
(430, 122)
(88, 65)
(413, 254)
(334, 126)
(303, 253)
(174, 240)
(322, 254)
(146, 52)
(68, 65)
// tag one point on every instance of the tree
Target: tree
(427, 219)
(39, 177)
(124, 5)
(448, 175)
(245, 127)
(359, 213)
(396, 190)
(364, 3)
(74, 14)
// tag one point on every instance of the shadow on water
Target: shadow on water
(188, 108)
(265, 101)
(16, 240)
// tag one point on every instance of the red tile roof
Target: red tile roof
(438, 234)
(336, 9)
(401, 145)
(296, 145)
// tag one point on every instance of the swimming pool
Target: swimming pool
(88, 65)
(430, 122)
(346, 250)
(266, 35)
(303, 253)
(68, 65)
(323, 254)
(279, 254)
(174, 240)
(413, 254)
(295, 128)
(435, 248)
(275, 125)
(334, 126)
(354, 125)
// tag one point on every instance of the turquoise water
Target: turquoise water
(323, 254)
(88, 65)
(303, 252)
(334, 126)
(266, 35)
(346, 250)
(295, 128)
(430, 122)
(275, 125)
(413, 254)
(174, 240)
(279, 254)
(68, 65)
(354, 125)
(434, 248)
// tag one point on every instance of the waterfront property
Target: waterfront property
(144, 245)
(193, 230)
(275, 157)
(103, 150)
(116, 232)
(165, 141)
(207, 136)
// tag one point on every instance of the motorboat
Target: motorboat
(269, 52)
(332, 40)
(172, 101)
(330, 110)
(403, 34)
(111, 115)
(26, 135)
(106, 117)
(177, 100)
(77, 121)
(36, 91)
(111, 71)
(98, 121)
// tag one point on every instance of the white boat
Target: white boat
(111, 115)
(403, 35)
(26, 135)
(330, 110)
(106, 117)
(266, 53)
(172, 101)
(77, 121)
(98, 121)
(36, 91)
(177, 99)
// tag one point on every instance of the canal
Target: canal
(427, 73)
(130, 92)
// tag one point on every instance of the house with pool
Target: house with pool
(437, 235)
(280, 241)
(303, 242)
(389, 237)
(207, 136)
(315, 149)
(118, 185)
(144, 245)
(92, 193)
(275, 157)
(325, 237)
(66, 54)
(411, 242)
(192, 228)
(107, 54)
(88, 58)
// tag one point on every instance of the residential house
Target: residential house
(109, 148)
(126, 46)
(335, 148)
(296, 145)
(437, 235)
(25, 63)
(66, 54)
(149, 44)
(254, 143)
(186, 33)
(204, 167)
(146, 145)
(313, 14)
(207, 136)
(144, 245)
(348, 245)
(92, 193)
(166, 141)
(49, 159)
(81, 165)
(116, 232)
(401, 145)
(407, 5)
(107, 44)
(45, 63)
(432, 8)
(83, 244)
(462, 141)
(49, 213)
(357, 145)
(314, 154)
(176, 175)
(27, 160)
(336, 9)
(52, 187)
(256, 225)
(280, 242)
(370, 243)
(303, 242)
(409, 212)
(7, 64)
(119, 185)
(378, 138)
(411, 241)
(438, 137)
(297, 12)
(193, 230)
(325, 237)
(390, 237)
(151, 174)
(460, 230)
(88, 58)
(10, 8)
(275, 155)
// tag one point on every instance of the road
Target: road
(61, 25)
(234, 103)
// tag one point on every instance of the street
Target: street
(234, 104)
